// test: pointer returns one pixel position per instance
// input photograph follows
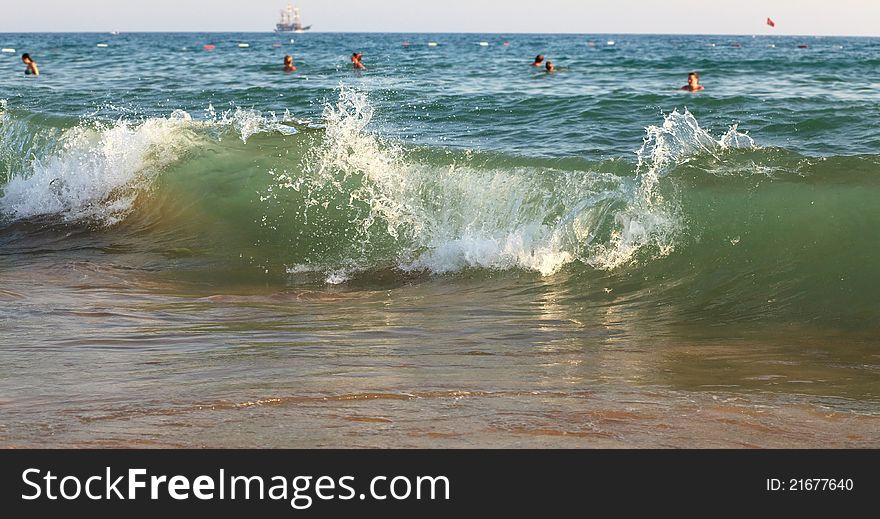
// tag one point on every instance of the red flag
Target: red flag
(770, 22)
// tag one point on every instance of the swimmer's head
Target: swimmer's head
(288, 60)
(539, 58)
(693, 79)
(26, 58)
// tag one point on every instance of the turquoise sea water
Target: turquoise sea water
(449, 248)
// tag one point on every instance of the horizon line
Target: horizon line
(752, 35)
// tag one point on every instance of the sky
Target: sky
(801, 17)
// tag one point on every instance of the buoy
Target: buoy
(590, 44)
(243, 45)
(209, 47)
(432, 44)
(406, 44)
(276, 44)
(484, 44)
(11, 51)
(103, 45)
(611, 42)
(507, 44)
(803, 46)
(771, 46)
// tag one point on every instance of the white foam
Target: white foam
(649, 220)
(337, 277)
(528, 249)
(459, 217)
(96, 172)
(449, 218)
(249, 122)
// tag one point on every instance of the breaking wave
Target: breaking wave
(336, 201)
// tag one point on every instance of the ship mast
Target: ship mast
(290, 20)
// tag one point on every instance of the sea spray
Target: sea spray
(355, 201)
(96, 172)
(441, 218)
(648, 219)
(445, 218)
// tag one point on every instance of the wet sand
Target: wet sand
(98, 357)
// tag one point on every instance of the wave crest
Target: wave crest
(351, 200)
(460, 215)
(649, 221)
(96, 172)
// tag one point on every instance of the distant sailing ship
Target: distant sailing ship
(290, 21)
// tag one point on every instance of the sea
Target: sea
(451, 248)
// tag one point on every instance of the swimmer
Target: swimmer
(31, 69)
(551, 68)
(539, 61)
(356, 61)
(693, 83)
(288, 64)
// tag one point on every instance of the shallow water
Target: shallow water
(450, 249)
